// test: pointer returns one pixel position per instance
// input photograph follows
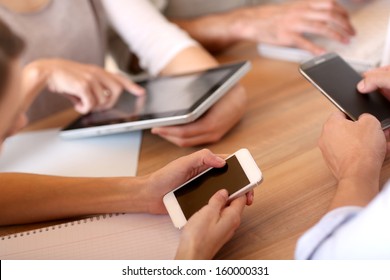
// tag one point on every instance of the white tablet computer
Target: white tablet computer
(168, 101)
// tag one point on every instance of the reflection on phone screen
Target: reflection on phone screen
(196, 194)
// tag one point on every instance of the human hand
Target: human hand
(361, 1)
(211, 227)
(353, 149)
(286, 24)
(175, 174)
(212, 126)
(89, 87)
(376, 79)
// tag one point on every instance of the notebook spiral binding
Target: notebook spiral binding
(55, 227)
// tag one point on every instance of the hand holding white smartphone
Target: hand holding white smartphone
(238, 176)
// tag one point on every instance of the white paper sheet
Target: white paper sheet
(44, 152)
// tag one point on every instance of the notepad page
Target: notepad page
(45, 152)
(109, 237)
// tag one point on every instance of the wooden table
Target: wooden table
(281, 127)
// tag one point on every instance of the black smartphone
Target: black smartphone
(337, 80)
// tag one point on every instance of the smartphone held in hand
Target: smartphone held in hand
(238, 176)
(337, 80)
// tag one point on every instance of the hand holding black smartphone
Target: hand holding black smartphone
(337, 80)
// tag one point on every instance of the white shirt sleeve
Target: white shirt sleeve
(147, 33)
(350, 233)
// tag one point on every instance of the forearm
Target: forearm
(217, 32)
(189, 60)
(29, 198)
(211, 31)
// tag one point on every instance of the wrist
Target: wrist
(182, 254)
(354, 192)
(366, 170)
(35, 76)
(214, 31)
(254, 23)
(186, 250)
(357, 186)
(131, 194)
(38, 70)
(152, 192)
(235, 23)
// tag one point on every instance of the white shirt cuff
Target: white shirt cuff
(314, 237)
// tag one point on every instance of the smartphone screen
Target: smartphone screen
(196, 194)
(339, 80)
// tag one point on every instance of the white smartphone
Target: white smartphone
(238, 176)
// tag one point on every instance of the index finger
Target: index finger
(130, 85)
(231, 215)
(219, 199)
(302, 43)
(238, 204)
(373, 80)
(329, 5)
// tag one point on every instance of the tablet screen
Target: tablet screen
(165, 97)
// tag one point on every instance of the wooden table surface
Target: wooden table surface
(281, 127)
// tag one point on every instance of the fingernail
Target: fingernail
(360, 85)
(224, 193)
(320, 52)
(220, 160)
(251, 195)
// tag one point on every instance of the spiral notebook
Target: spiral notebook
(115, 236)
(105, 237)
